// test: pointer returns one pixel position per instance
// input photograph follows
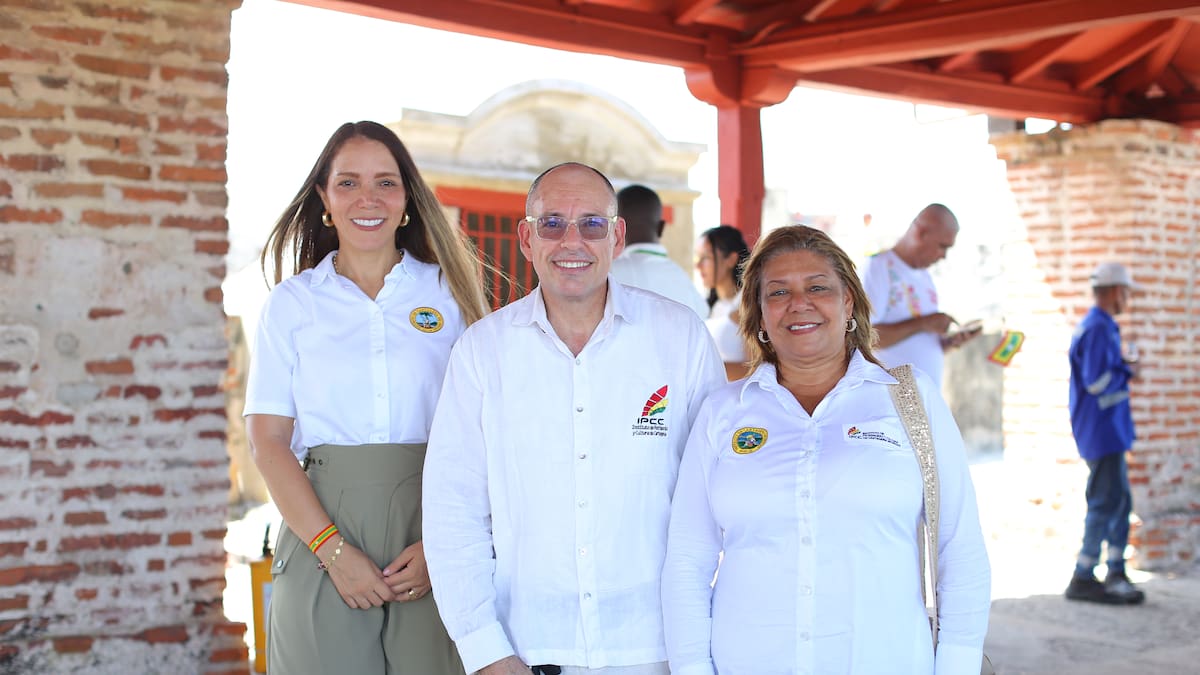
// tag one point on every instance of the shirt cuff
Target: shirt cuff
(483, 647)
(958, 660)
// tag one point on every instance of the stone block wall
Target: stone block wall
(1129, 191)
(113, 469)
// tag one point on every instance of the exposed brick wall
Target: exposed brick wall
(1126, 191)
(113, 470)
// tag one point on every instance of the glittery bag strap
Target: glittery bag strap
(907, 400)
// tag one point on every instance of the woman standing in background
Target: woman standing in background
(720, 253)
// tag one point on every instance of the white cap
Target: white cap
(1112, 274)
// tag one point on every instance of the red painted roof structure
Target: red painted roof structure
(1069, 60)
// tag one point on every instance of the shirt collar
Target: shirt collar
(859, 370)
(617, 304)
(408, 267)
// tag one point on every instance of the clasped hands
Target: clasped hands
(362, 585)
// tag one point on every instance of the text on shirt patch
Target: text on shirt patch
(653, 421)
(855, 434)
(426, 319)
(749, 439)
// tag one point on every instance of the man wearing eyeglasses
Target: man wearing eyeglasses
(554, 451)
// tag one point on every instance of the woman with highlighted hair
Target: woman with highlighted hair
(800, 491)
(347, 368)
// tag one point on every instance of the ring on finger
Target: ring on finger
(412, 592)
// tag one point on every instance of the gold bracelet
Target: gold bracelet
(336, 552)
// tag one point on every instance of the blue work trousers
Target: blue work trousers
(1109, 503)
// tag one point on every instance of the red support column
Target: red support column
(740, 171)
(739, 93)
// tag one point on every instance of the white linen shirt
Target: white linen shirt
(351, 370)
(548, 480)
(648, 266)
(898, 292)
(817, 521)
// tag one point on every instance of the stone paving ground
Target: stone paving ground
(1032, 520)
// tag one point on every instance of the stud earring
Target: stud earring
(762, 337)
(404, 221)
(327, 219)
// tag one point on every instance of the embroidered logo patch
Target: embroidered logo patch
(426, 319)
(749, 439)
(853, 433)
(653, 420)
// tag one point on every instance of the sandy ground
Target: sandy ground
(1032, 521)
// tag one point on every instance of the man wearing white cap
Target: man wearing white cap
(1102, 422)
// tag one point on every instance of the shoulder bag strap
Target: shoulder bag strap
(907, 400)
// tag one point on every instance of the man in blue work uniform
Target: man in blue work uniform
(1102, 422)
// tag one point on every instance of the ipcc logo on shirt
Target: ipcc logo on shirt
(653, 420)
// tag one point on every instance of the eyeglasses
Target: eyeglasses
(553, 228)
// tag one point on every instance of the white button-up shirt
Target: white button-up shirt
(648, 266)
(351, 370)
(817, 519)
(548, 480)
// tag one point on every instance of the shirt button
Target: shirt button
(807, 541)
(806, 590)
(579, 362)
(583, 551)
(803, 637)
(804, 494)
(380, 395)
(583, 455)
(583, 504)
(578, 408)
(587, 596)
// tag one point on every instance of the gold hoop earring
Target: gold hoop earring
(851, 325)
(327, 219)
(762, 337)
(404, 220)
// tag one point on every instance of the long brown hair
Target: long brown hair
(801, 238)
(429, 236)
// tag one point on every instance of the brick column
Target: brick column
(113, 469)
(1127, 191)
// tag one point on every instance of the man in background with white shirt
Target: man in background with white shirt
(554, 452)
(644, 262)
(904, 300)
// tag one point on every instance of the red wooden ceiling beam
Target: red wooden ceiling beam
(688, 11)
(590, 29)
(993, 97)
(936, 30)
(1141, 75)
(1099, 69)
(1034, 60)
(955, 61)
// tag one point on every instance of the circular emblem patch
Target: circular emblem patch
(749, 439)
(426, 319)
